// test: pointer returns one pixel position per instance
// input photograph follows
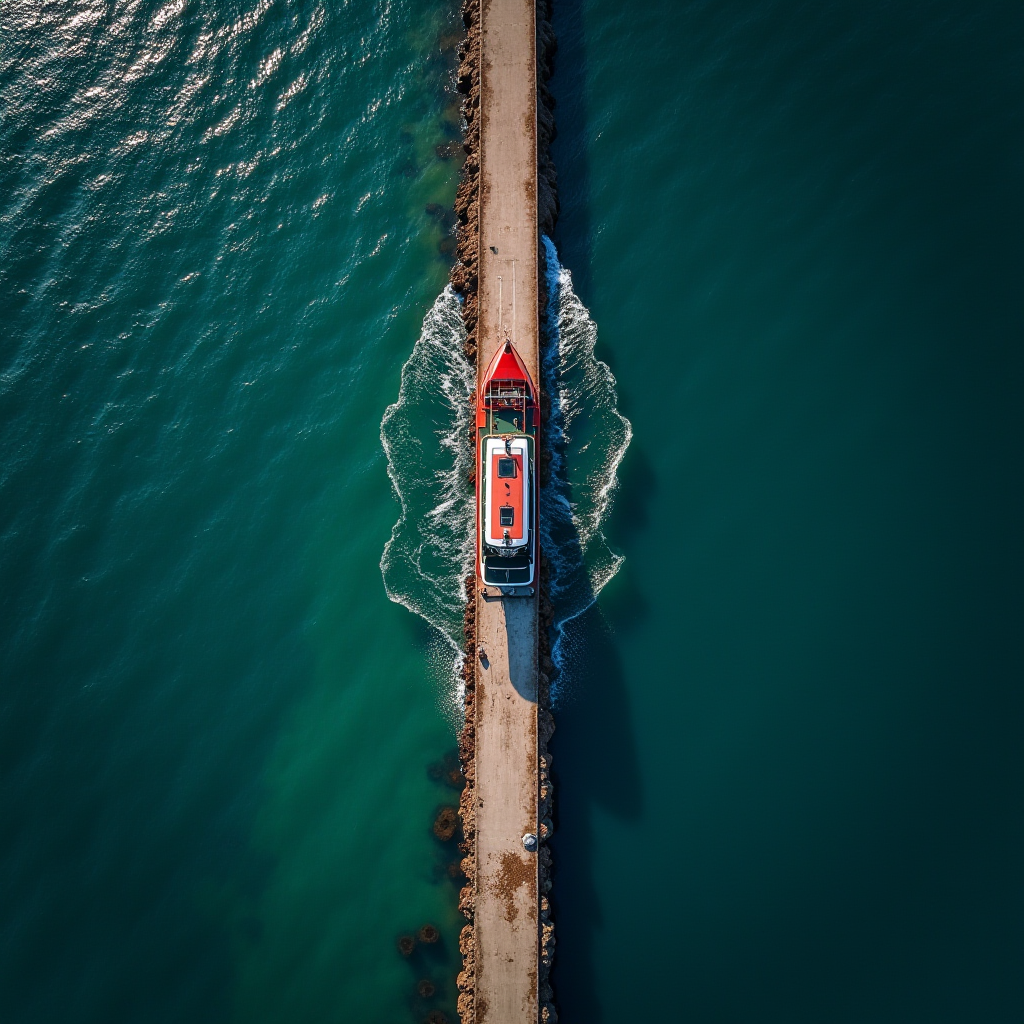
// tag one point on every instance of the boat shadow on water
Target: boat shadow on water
(595, 769)
(595, 765)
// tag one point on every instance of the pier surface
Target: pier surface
(506, 916)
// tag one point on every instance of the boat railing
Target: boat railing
(506, 392)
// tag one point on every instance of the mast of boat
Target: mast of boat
(513, 299)
(501, 317)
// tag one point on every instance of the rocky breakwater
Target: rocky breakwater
(465, 281)
(465, 277)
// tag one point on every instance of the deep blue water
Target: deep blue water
(790, 787)
(788, 752)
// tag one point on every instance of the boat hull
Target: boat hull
(507, 498)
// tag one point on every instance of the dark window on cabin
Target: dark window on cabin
(506, 468)
(506, 515)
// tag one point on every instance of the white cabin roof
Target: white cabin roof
(495, 494)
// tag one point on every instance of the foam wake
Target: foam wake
(431, 548)
(587, 438)
(430, 551)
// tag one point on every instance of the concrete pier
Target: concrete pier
(506, 789)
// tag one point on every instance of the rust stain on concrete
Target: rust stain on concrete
(515, 872)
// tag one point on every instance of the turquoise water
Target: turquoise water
(216, 728)
(788, 749)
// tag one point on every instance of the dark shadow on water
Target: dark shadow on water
(637, 484)
(623, 601)
(595, 769)
(570, 148)
(595, 772)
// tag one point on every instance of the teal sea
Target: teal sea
(788, 340)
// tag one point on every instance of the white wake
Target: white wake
(587, 437)
(424, 434)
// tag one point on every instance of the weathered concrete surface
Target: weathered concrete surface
(507, 897)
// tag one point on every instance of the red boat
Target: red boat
(507, 428)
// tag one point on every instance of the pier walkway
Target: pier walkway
(506, 917)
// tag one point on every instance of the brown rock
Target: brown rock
(467, 902)
(445, 824)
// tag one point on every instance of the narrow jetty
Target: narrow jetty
(506, 912)
(507, 946)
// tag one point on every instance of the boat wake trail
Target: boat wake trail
(431, 548)
(587, 438)
(423, 433)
